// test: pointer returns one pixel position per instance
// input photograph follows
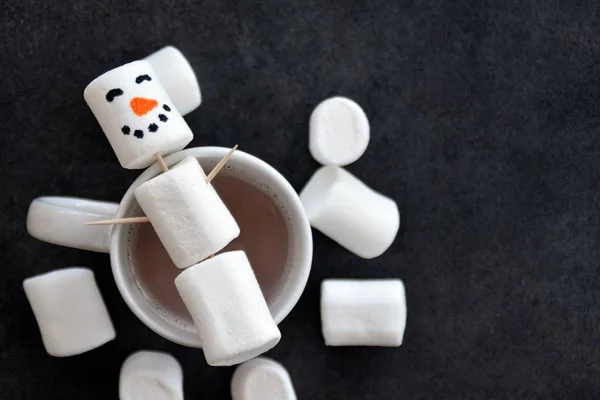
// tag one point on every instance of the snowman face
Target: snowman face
(141, 106)
(136, 114)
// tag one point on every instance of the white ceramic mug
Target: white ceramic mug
(61, 220)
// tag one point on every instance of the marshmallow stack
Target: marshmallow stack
(230, 313)
(262, 379)
(69, 311)
(151, 375)
(136, 114)
(178, 78)
(363, 312)
(189, 217)
(349, 212)
(338, 132)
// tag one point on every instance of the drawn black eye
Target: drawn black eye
(112, 93)
(142, 78)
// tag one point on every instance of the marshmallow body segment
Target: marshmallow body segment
(151, 375)
(69, 311)
(349, 212)
(363, 312)
(338, 132)
(177, 77)
(262, 379)
(230, 313)
(188, 215)
(136, 114)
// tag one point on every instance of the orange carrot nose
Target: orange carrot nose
(142, 106)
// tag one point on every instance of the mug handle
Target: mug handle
(61, 220)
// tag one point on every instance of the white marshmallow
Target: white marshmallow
(188, 215)
(262, 379)
(349, 212)
(363, 312)
(151, 375)
(69, 311)
(177, 77)
(338, 132)
(136, 114)
(230, 313)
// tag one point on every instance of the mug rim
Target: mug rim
(287, 299)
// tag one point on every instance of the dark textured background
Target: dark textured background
(484, 127)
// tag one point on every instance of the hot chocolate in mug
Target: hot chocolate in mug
(61, 220)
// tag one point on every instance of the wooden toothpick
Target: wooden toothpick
(161, 162)
(220, 165)
(163, 166)
(132, 220)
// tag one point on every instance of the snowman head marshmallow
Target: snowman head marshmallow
(136, 114)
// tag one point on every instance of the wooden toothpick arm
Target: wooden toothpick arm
(132, 220)
(220, 165)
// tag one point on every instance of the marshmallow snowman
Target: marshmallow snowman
(136, 114)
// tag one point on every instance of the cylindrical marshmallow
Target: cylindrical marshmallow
(262, 379)
(69, 311)
(349, 212)
(338, 132)
(189, 217)
(151, 375)
(136, 114)
(230, 313)
(363, 312)
(177, 77)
